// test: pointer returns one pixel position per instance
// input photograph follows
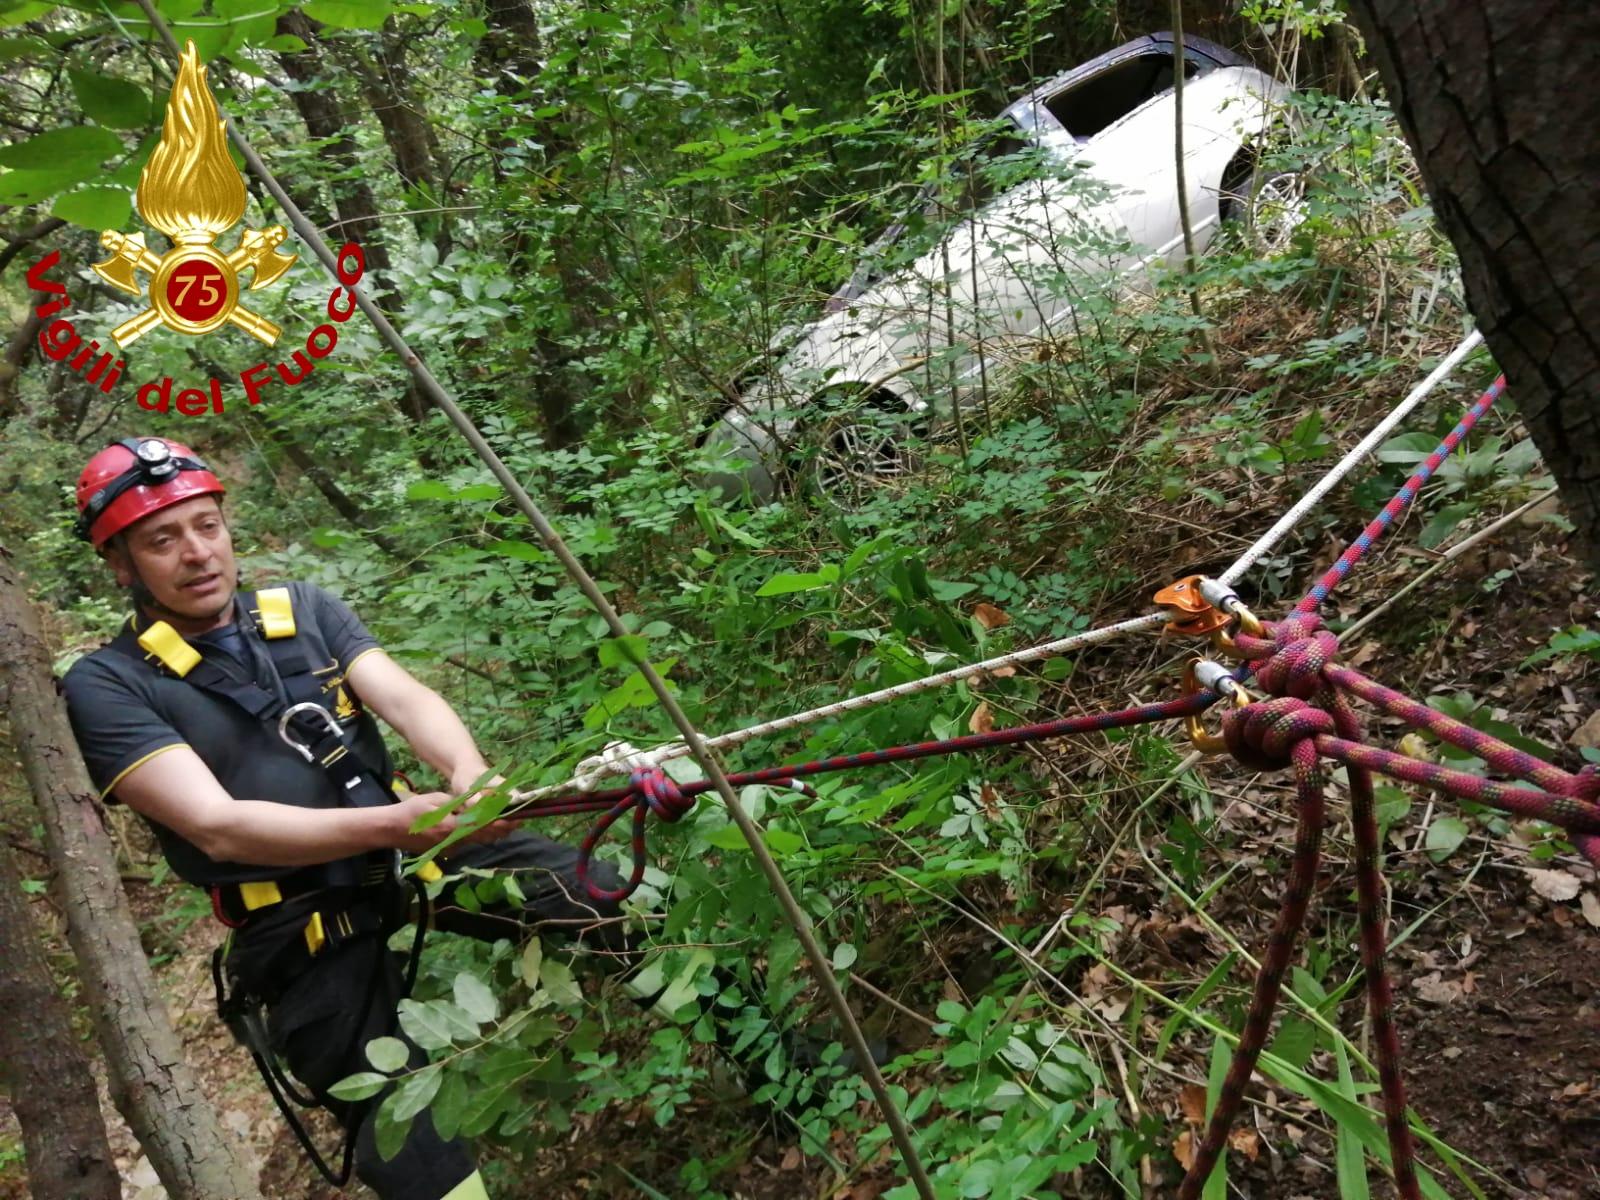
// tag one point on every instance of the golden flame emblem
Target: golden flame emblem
(191, 191)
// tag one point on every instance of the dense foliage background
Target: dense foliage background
(590, 219)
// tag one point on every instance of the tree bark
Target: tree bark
(43, 1068)
(151, 1084)
(509, 54)
(353, 200)
(1497, 98)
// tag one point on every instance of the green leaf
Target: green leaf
(1216, 1185)
(109, 101)
(21, 47)
(780, 841)
(532, 957)
(1443, 523)
(19, 12)
(627, 651)
(348, 14)
(359, 1086)
(475, 998)
(449, 1105)
(632, 692)
(436, 1024)
(389, 1133)
(556, 978)
(1295, 1041)
(844, 956)
(1349, 1162)
(524, 551)
(485, 1107)
(948, 589)
(1445, 835)
(76, 146)
(790, 582)
(388, 1054)
(413, 1095)
(30, 187)
(96, 208)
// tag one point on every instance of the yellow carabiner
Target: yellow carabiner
(1203, 674)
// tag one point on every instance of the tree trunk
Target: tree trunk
(353, 200)
(43, 1068)
(1498, 99)
(509, 54)
(151, 1084)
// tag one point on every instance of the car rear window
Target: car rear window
(1101, 100)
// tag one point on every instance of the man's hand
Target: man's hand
(412, 808)
(462, 784)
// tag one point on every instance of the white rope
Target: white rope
(619, 758)
(1349, 462)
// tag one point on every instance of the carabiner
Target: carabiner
(1201, 674)
(306, 706)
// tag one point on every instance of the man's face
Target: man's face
(183, 557)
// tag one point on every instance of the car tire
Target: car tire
(856, 449)
(1265, 206)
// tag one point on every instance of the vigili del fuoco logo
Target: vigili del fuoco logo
(191, 191)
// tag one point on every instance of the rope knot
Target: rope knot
(661, 792)
(1263, 735)
(1293, 665)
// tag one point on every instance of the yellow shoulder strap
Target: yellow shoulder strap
(162, 642)
(276, 611)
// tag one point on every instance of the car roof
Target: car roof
(1193, 47)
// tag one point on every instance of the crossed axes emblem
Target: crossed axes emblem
(194, 287)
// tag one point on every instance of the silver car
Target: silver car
(1075, 191)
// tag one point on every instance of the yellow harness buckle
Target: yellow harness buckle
(316, 935)
(276, 612)
(163, 643)
(259, 895)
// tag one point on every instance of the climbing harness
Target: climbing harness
(329, 907)
(243, 1006)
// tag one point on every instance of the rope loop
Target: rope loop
(661, 792)
(1263, 735)
(1291, 664)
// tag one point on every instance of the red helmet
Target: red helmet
(132, 478)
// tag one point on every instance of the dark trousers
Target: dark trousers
(319, 1025)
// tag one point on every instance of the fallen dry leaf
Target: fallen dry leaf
(1435, 989)
(990, 799)
(1414, 745)
(1245, 1142)
(989, 616)
(1183, 1149)
(1192, 1100)
(1554, 885)
(791, 1159)
(982, 719)
(1591, 909)
(1587, 734)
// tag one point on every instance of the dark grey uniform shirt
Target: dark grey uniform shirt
(126, 710)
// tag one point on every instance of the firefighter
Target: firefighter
(241, 727)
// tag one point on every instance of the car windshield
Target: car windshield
(1105, 98)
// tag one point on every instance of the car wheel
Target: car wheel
(1277, 209)
(859, 451)
(1268, 207)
